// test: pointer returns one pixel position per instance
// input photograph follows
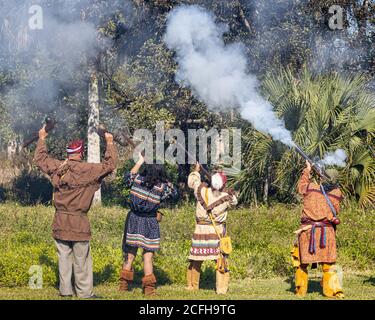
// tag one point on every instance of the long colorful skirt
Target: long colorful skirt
(205, 243)
(141, 232)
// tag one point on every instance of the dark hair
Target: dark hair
(153, 175)
(328, 186)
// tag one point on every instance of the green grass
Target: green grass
(356, 287)
(260, 262)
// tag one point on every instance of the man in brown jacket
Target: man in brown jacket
(75, 183)
(317, 235)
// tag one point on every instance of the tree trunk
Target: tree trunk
(266, 185)
(243, 17)
(93, 149)
(231, 115)
(12, 149)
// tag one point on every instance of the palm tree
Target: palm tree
(324, 112)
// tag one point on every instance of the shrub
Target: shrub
(262, 238)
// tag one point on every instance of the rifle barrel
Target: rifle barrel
(49, 125)
(207, 174)
(101, 130)
(316, 168)
(30, 141)
(303, 154)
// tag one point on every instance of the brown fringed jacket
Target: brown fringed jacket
(317, 241)
(75, 183)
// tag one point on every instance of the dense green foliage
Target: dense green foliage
(323, 113)
(137, 86)
(262, 238)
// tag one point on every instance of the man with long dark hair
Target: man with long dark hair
(148, 190)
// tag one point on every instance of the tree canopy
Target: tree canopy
(318, 78)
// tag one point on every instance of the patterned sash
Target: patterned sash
(323, 238)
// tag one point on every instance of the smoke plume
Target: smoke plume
(336, 158)
(46, 64)
(216, 72)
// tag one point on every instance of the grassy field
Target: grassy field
(260, 263)
(356, 287)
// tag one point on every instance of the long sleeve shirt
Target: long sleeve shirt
(147, 200)
(315, 206)
(75, 183)
(219, 201)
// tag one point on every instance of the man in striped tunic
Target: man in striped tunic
(148, 191)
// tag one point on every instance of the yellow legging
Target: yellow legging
(301, 280)
(331, 284)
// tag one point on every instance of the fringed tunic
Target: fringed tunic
(205, 241)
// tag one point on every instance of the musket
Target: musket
(315, 166)
(50, 124)
(101, 130)
(206, 173)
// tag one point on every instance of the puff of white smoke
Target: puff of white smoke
(336, 158)
(216, 72)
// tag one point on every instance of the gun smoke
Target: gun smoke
(336, 158)
(216, 72)
(55, 59)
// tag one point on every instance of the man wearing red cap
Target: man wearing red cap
(211, 215)
(75, 183)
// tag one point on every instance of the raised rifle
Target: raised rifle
(314, 165)
(50, 124)
(101, 130)
(206, 173)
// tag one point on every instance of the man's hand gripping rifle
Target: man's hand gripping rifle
(49, 125)
(314, 165)
(101, 130)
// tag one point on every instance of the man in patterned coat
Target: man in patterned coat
(316, 237)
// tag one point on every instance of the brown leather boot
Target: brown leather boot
(222, 282)
(193, 275)
(126, 279)
(149, 285)
(188, 280)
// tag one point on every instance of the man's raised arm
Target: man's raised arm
(42, 159)
(108, 165)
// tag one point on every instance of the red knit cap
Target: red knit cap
(224, 177)
(75, 147)
(218, 180)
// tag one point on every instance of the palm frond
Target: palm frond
(324, 112)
